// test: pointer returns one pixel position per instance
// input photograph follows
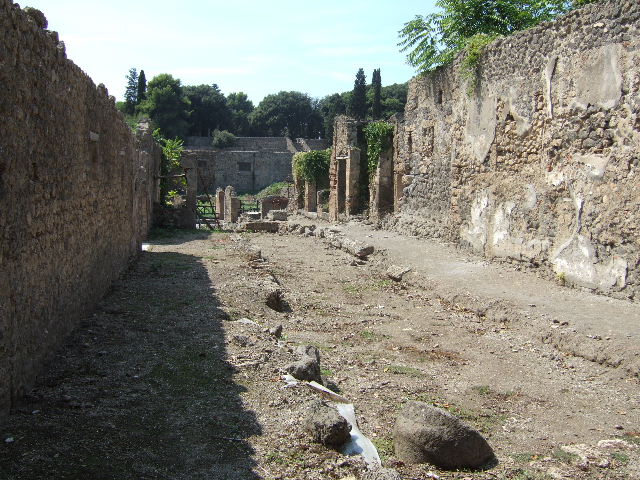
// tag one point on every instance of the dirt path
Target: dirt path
(177, 375)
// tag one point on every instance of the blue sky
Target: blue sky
(251, 46)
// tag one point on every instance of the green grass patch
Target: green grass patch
(621, 458)
(525, 457)
(404, 370)
(632, 437)
(563, 456)
(384, 445)
(482, 389)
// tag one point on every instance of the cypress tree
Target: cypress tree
(358, 104)
(376, 82)
(142, 88)
(131, 92)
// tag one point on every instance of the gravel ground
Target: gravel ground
(177, 375)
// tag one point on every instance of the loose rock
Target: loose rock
(276, 331)
(326, 425)
(396, 273)
(308, 367)
(426, 434)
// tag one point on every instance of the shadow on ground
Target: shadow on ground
(142, 390)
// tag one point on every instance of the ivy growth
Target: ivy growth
(171, 153)
(312, 166)
(473, 51)
(379, 136)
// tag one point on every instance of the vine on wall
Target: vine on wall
(379, 136)
(312, 166)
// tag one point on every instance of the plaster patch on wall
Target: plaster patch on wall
(597, 164)
(579, 264)
(522, 117)
(531, 197)
(475, 232)
(600, 82)
(548, 76)
(505, 245)
(555, 177)
(481, 125)
(500, 233)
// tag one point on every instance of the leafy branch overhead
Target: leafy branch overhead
(434, 40)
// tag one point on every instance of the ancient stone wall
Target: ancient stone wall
(251, 164)
(540, 162)
(76, 193)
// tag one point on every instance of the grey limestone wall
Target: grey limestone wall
(540, 163)
(251, 164)
(76, 193)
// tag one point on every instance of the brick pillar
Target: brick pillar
(231, 205)
(310, 197)
(220, 203)
(337, 187)
(381, 199)
(298, 186)
(352, 181)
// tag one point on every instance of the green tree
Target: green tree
(167, 105)
(171, 153)
(240, 107)
(330, 107)
(209, 110)
(131, 92)
(283, 113)
(394, 98)
(142, 88)
(376, 83)
(358, 104)
(434, 40)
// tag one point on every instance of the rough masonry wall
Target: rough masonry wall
(540, 164)
(251, 164)
(76, 192)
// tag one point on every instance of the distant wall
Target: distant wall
(540, 164)
(76, 193)
(251, 164)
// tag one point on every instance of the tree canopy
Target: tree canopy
(358, 104)
(434, 40)
(131, 92)
(283, 113)
(209, 110)
(166, 105)
(240, 107)
(376, 104)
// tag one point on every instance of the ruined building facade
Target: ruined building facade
(76, 195)
(250, 165)
(538, 162)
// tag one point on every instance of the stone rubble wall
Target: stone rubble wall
(76, 195)
(540, 163)
(250, 165)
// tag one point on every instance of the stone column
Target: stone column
(310, 197)
(220, 203)
(381, 192)
(352, 181)
(337, 187)
(298, 186)
(231, 205)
